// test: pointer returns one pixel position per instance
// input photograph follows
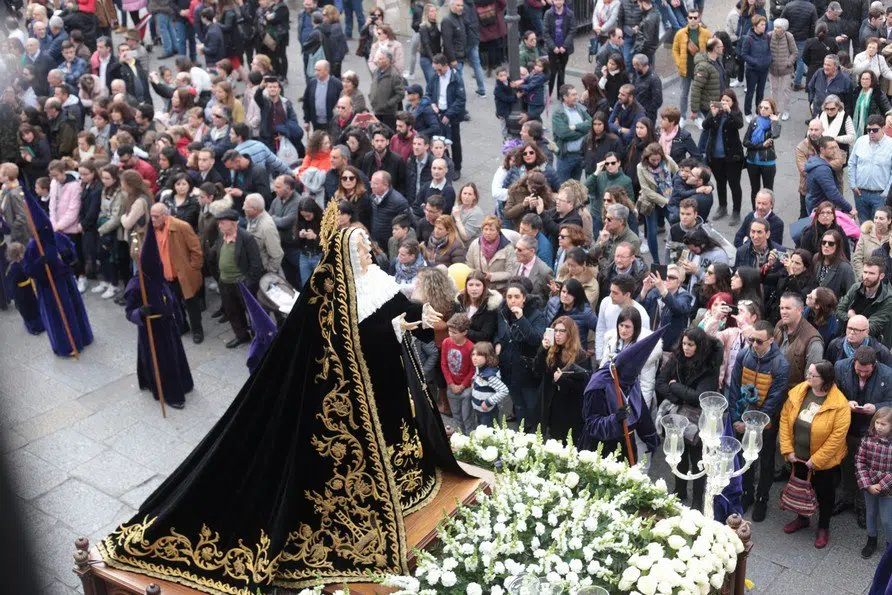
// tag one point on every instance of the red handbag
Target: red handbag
(799, 496)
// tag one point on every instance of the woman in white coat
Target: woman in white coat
(628, 331)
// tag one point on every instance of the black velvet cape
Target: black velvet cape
(306, 478)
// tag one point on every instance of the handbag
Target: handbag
(799, 496)
(269, 42)
(644, 207)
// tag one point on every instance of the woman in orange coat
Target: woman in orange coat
(318, 153)
(813, 427)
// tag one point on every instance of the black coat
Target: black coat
(247, 257)
(549, 32)
(250, 180)
(730, 135)
(683, 145)
(689, 385)
(412, 180)
(520, 339)
(391, 163)
(431, 41)
(91, 201)
(454, 38)
(560, 403)
(331, 98)
(392, 205)
(485, 321)
(802, 17)
(759, 151)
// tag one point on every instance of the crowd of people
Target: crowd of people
(234, 173)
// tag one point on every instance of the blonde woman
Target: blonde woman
(444, 246)
(467, 213)
(225, 96)
(386, 42)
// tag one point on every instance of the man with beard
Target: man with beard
(382, 158)
(401, 141)
(809, 148)
(418, 172)
(871, 298)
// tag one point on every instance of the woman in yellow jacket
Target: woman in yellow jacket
(813, 427)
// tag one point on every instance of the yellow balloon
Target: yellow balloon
(459, 273)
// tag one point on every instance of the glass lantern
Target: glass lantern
(711, 424)
(673, 445)
(527, 584)
(723, 454)
(755, 422)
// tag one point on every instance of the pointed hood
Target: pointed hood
(264, 328)
(41, 222)
(629, 363)
(152, 268)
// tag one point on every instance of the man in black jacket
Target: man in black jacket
(42, 64)
(802, 16)
(341, 120)
(245, 177)
(320, 97)
(129, 70)
(629, 20)
(382, 158)
(455, 38)
(562, 213)
(238, 260)
(648, 36)
(387, 203)
(418, 172)
(648, 86)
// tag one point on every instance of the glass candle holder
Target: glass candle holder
(755, 422)
(723, 455)
(673, 445)
(711, 425)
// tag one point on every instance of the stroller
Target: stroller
(277, 296)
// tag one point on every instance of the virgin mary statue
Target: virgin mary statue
(307, 477)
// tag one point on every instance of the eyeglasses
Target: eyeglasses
(828, 243)
(759, 342)
(609, 219)
(563, 236)
(812, 375)
(560, 330)
(825, 213)
(873, 130)
(216, 115)
(856, 330)
(348, 178)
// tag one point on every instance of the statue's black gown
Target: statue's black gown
(307, 477)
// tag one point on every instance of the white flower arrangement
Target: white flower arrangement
(573, 517)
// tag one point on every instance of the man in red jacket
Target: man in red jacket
(143, 168)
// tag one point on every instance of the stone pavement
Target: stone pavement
(87, 446)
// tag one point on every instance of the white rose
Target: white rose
(496, 590)
(521, 453)
(630, 574)
(540, 529)
(433, 576)
(716, 580)
(448, 579)
(474, 589)
(576, 565)
(684, 553)
(489, 454)
(449, 564)
(688, 526)
(571, 480)
(676, 542)
(644, 562)
(647, 584)
(483, 432)
(458, 441)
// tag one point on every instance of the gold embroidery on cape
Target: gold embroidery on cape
(349, 526)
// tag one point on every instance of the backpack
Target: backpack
(486, 14)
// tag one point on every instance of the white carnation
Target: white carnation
(474, 589)
(647, 584)
(676, 542)
(571, 480)
(448, 579)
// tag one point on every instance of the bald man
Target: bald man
(320, 97)
(262, 226)
(42, 63)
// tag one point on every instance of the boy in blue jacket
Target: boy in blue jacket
(534, 90)
(505, 98)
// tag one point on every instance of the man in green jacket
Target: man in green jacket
(709, 78)
(570, 123)
(871, 298)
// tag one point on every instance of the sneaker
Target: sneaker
(644, 249)
(800, 522)
(785, 116)
(869, 548)
(822, 539)
(760, 508)
(747, 118)
(721, 213)
(736, 83)
(100, 287)
(480, 94)
(682, 122)
(82, 284)
(699, 122)
(212, 285)
(109, 293)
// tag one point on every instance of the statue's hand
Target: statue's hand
(408, 326)
(430, 317)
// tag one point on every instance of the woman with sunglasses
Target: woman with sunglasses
(569, 238)
(831, 267)
(716, 279)
(528, 159)
(813, 426)
(820, 312)
(608, 173)
(692, 369)
(524, 196)
(793, 273)
(761, 158)
(352, 189)
(823, 221)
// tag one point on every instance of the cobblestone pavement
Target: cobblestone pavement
(87, 446)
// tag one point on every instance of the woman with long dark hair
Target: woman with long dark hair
(823, 221)
(599, 142)
(35, 153)
(613, 76)
(592, 96)
(724, 152)
(351, 188)
(716, 279)
(565, 369)
(870, 100)
(831, 267)
(114, 251)
(644, 136)
(576, 266)
(820, 312)
(481, 304)
(181, 200)
(528, 159)
(793, 274)
(572, 302)
(746, 284)
(307, 227)
(692, 369)
(654, 174)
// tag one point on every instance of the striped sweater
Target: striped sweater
(487, 386)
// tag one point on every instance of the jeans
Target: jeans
(800, 63)
(878, 506)
(173, 34)
(526, 406)
(628, 44)
(427, 67)
(673, 18)
(761, 176)
(867, 205)
(308, 264)
(569, 167)
(352, 7)
(650, 222)
(474, 58)
(755, 86)
(685, 94)
(462, 412)
(488, 418)
(414, 44)
(766, 467)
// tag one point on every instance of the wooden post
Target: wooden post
(619, 400)
(49, 276)
(145, 302)
(744, 530)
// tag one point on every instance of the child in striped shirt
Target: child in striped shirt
(487, 388)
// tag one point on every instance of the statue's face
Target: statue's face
(365, 254)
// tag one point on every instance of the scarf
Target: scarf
(832, 128)
(662, 178)
(849, 350)
(763, 127)
(438, 245)
(666, 139)
(862, 110)
(488, 249)
(406, 273)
